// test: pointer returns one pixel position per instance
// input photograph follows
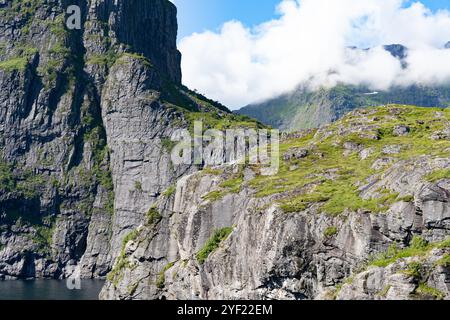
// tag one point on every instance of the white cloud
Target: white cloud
(238, 65)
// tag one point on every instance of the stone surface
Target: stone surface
(401, 130)
(274, 255)
(392, 149)
(83, 135)
(296, 154)
(394, 283)
(85, 165)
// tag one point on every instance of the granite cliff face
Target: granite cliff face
(86, 181)
(345, 194)
(84, 119)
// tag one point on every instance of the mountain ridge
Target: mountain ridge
(86, 117)
(358, 204)
(88, 188)
(308, 108)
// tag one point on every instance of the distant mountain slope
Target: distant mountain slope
(308, 109)
(304, 108)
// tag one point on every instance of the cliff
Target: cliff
(84, 122)
(359, 210)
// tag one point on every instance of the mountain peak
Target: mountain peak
(397, 50)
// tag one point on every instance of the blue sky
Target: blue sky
(239, 65)
(201, 15)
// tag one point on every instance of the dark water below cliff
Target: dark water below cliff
(48, 290)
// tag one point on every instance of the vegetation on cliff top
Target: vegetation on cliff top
(418, 248)
(331, 173)
(19, 61)
(193, 106)
(22, 8)
(122, 261)
(418, 267)
(14, 64)
(341, 157)
(213, 244)
(230, 186)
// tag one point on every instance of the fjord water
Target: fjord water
(48, 290)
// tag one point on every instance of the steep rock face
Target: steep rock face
(148, 27)
(81, 123)
(151, 27)
(135, 124)
(410, 278)
(277, 247)
(269, 254)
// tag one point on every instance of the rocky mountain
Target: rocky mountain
(85, 123)
(397, 50)
(359, 210)
(305, 108)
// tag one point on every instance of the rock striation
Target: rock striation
(309, 235)
(85, 116)
(358, 210)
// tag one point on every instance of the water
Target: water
(48, 290)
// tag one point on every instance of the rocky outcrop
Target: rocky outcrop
(136, 124)
(275, 252)
(86, 181)
(83, 117)
(406, 279)
(269, 254)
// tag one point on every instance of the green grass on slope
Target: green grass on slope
(230, 186)
(418, 248)
(196, 107)
(213, 244)
(122, 262)
(307, 181)
(438, 175)
(161, 280)
(14, 64)
(20, 61)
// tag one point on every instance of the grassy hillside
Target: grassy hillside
(304, 109)
(335, 161)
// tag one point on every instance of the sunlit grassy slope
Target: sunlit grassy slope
(331, 173)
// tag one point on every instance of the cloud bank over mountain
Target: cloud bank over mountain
(310, 41)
